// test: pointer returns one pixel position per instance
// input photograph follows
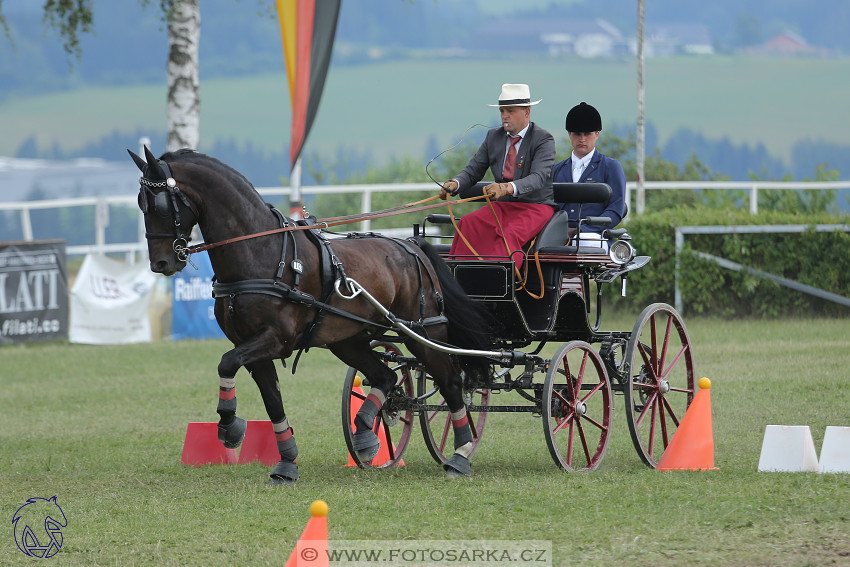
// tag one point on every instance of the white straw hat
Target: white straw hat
(515, 95)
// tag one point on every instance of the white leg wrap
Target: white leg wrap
(464, 450)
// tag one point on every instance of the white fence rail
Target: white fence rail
(139, 246)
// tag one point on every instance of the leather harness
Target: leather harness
(330, 270)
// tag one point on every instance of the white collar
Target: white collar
(583, 161)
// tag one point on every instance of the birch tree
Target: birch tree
(71, 18)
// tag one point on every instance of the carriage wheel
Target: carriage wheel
(437, 424)
(387, 422)
(660, 387)
(576, 407)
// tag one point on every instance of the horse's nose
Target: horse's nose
(159, 267)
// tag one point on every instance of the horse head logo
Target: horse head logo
(30, 519)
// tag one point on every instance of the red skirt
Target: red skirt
(520, 222)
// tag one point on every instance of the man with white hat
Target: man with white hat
(520, 156)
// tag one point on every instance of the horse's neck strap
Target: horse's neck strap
(297, 267)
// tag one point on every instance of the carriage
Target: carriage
(283, 286)
(573, 389)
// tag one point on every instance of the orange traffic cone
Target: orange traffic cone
(383, 453)
(312, 547)
(202, 447)
(692, 446)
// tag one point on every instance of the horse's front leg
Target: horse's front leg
(265, 375)
(256, 355)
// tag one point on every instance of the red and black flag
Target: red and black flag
(307, 28)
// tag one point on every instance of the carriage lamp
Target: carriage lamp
(621, 252)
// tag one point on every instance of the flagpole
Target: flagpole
(296, 207)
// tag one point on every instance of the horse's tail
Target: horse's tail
(469, 324)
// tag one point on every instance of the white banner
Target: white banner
(109, 302)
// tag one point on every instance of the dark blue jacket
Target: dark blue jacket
(601, 169)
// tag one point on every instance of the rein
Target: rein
(329, 222)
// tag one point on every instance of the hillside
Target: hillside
(397, 108)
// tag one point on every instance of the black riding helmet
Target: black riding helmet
(583, 118)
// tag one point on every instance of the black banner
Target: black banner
(33, 291)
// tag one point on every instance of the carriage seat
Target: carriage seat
(556, 232)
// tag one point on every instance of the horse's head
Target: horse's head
(169, 216)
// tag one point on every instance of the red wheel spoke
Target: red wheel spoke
(649, 403)
(561, 422)
(664, 346)
(671, 412)
(649, 362)
(663, 419)
(583, 441)
(560, 396)
(594, 422)
(674, 361)
(570, 443)
(445, 435)
(593, 391)
(358, 395)
(471, 425)
(652, 425)
(577, 388)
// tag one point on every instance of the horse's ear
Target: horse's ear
(140, 163)
(151, 159)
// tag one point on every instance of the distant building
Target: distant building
(584, 38)
(787, 44)
(675, 38)
(593, 38)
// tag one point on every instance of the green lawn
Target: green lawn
(397, 107)
(102, 428)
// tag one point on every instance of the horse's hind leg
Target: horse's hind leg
(442, 369)
(357, 354)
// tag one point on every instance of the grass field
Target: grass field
(102, 428)
(395, 108)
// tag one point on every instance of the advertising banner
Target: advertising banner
(109, 302)
(192, 304)
(33, 291)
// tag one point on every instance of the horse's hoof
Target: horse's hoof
(284, 473)
(458, 466)
(366, 444)
(232, 435)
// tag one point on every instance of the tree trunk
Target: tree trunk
(183, 108)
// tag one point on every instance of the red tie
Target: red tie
(510, 160)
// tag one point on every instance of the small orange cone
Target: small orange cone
(692, 446)
(383, 453)
(312, 547)
(202, 447)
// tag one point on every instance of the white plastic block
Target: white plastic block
(788, 448)
(835, 452)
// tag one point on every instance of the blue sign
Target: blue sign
(38, 527)
(192, 315)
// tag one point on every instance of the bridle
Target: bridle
(165, 205)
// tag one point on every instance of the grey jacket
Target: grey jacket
(533, 171)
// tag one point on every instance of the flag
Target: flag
(307, 30)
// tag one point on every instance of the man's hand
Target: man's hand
(449, 186)
(498, 190)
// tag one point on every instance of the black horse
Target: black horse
(275, 294)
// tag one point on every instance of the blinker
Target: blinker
(161, 202)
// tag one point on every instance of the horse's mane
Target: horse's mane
(195, 157)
